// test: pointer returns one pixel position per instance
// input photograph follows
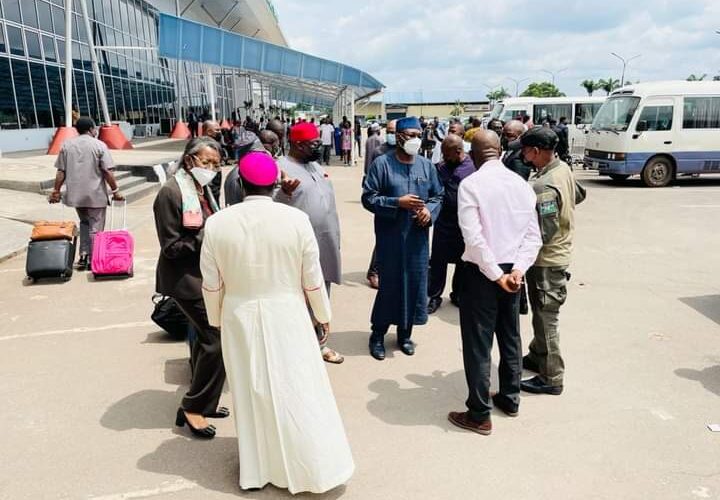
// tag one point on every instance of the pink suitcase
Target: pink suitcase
(113, 250)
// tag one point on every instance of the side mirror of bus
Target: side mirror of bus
(642, 126)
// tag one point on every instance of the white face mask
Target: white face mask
(412, 146)
(203, 176)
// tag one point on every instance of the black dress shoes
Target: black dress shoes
(83, 263)
(407, 347)
(530, 365)
(507, 407)
(434, 304)
(537, 386)
(377, 349)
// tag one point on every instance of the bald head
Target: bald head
(211, 128)
(390, 127)
(485, 147)
(513, 129)
(277, 127)
(452, 149)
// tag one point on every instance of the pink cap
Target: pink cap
(258, 168)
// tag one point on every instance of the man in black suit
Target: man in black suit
(512, 154)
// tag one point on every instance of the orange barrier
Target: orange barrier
(61, 135)
(180, 131)
(113, 137)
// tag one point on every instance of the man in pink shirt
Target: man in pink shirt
(496, 211)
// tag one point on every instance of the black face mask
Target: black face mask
(503, 142)
(525, 162)
(315, 153)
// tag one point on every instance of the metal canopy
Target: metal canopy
(293, 76)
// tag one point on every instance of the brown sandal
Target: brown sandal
(331, 356)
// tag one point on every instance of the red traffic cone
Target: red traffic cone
(225, 124)
(180, 131)
(113, 137)
(61, 135)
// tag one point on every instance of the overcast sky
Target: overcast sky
(466, 43)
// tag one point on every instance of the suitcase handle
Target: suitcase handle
(112, 214)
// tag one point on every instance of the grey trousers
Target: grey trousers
(92, 221)
(547, 289)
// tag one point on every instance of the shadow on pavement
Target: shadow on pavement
(448, 313)
(431, 399)
(213, 465)
(149, 409)
(355, 343)
(709, 377)
(707, 305)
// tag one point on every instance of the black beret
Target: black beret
(539, 137)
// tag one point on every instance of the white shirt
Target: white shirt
(326, 134)
(496, 211)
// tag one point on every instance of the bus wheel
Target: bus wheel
(619, 177)
(658, 172)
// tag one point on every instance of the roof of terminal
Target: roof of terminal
(295, 76)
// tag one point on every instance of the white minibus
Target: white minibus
(657, 130)
(579, 111)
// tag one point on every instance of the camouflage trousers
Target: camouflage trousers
(547, 290)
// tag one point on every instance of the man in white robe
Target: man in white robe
(260, 262)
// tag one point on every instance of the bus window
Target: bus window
(544, 112)
(585, 112)
(616, 113)
(701, 112)
(656, 118)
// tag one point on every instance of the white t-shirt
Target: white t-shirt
(326, 134)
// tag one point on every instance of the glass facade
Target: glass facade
(140, 85)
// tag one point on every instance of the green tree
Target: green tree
(457, 109)
(695, 78)
(498, 95)
(608, 85)
(590, 86)
(542, 89)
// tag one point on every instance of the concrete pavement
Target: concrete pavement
(90, 386)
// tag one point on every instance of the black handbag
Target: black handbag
(168, 316)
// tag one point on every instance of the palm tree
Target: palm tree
(608, 85)
(695, 78)
(590, 86)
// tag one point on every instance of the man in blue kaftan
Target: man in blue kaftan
(403, 191)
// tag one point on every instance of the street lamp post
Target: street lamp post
(625, 62)
(553, 73)
(517, 83)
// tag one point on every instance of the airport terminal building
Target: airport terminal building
(157, 59)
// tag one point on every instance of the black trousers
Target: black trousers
(438, 276)
(326, 149)
(379, 332)
(485, 309)
(208, 369)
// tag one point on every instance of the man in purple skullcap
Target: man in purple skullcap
(403, 191)
(261, 268)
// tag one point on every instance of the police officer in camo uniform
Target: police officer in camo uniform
(557, 194)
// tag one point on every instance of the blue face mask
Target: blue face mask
(391, 140)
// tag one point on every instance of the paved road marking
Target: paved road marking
(179, 485)
(80, 329)
(661, 414)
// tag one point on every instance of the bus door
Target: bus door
(654, 129)
(582, 119)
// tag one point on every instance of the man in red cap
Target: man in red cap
(312, 192)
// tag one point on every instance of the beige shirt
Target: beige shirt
(555, 189)
(85, 160)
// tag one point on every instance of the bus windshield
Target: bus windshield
(497, 111)
(616, 114)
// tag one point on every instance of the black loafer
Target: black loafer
(434, 305)
(407, 347)
(221, 412)
(529, 364)
(377, 349)
(507, 407)
(535, 385)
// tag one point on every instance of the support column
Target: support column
(110, 133)
(180, 129)
(67, 131)
(210, 84)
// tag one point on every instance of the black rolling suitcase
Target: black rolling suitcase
(50, 259)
